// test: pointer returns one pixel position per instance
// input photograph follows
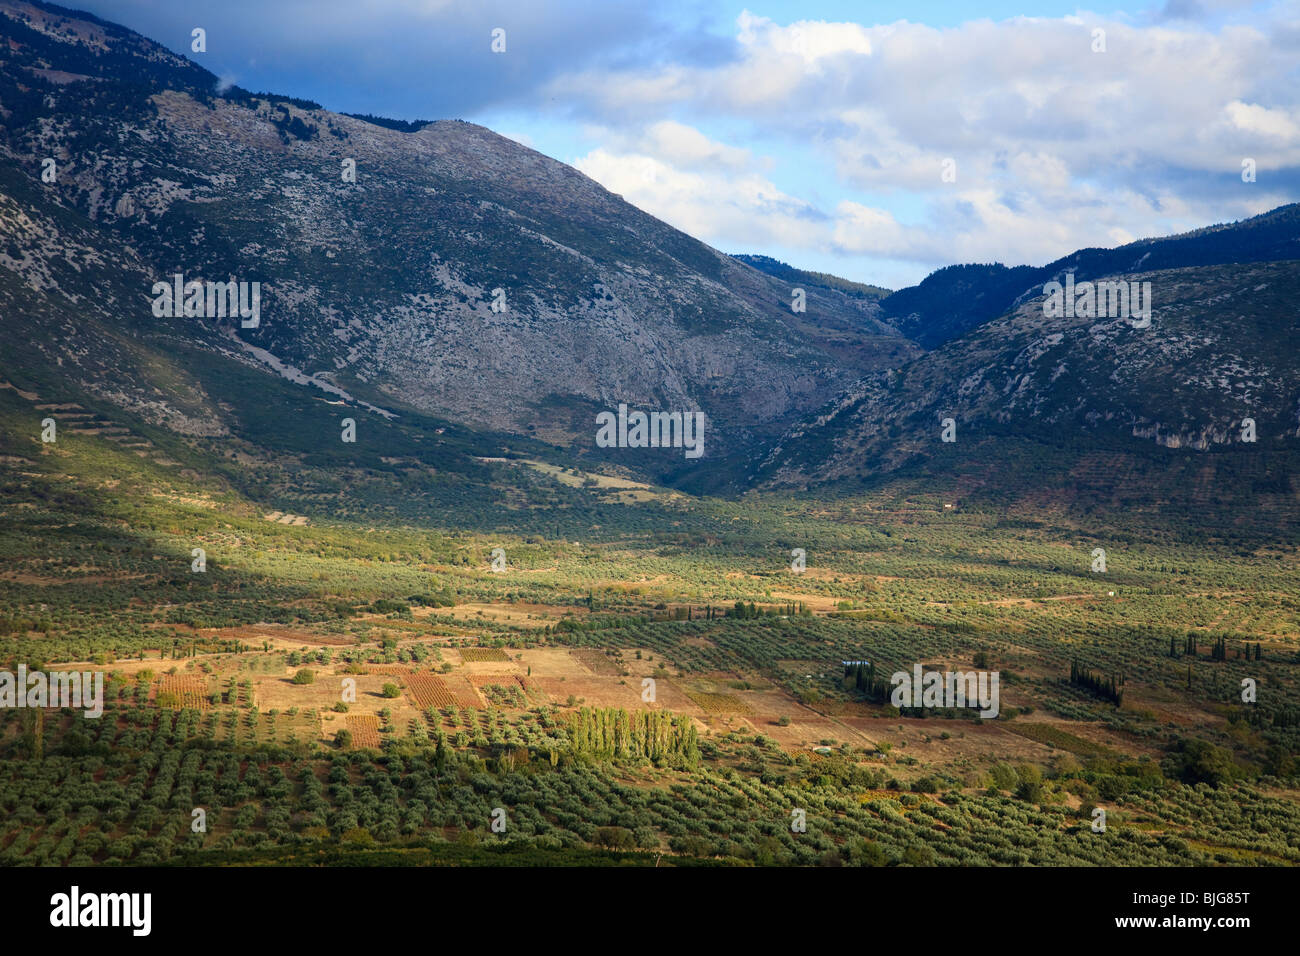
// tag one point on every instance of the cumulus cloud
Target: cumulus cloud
(1275, 124)
(1056, 144)
(723, 127)
(704, 188)
(687, 147)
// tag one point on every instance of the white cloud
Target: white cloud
(687, 147)
(714, 192)
(1057, 147)
(1275, 124)
(809, 40)
(860, 229)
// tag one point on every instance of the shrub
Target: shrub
(1004, 777)
(358, 836)
(1030, 791)
(616, 838)
(918, 855)
(1198, 761)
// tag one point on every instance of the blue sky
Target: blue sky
(820, 131)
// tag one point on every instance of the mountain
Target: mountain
(1220, 348)
(466, 299)
(458, 274)
(859, 291)
(953, 300)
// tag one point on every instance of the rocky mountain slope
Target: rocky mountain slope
(1221, 347)
(409, 270)
(457, 273)
(956, 299)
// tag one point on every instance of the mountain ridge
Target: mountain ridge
(386, 284)
(957, 298)
(459, 276)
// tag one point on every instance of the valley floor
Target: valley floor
(654, 678)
